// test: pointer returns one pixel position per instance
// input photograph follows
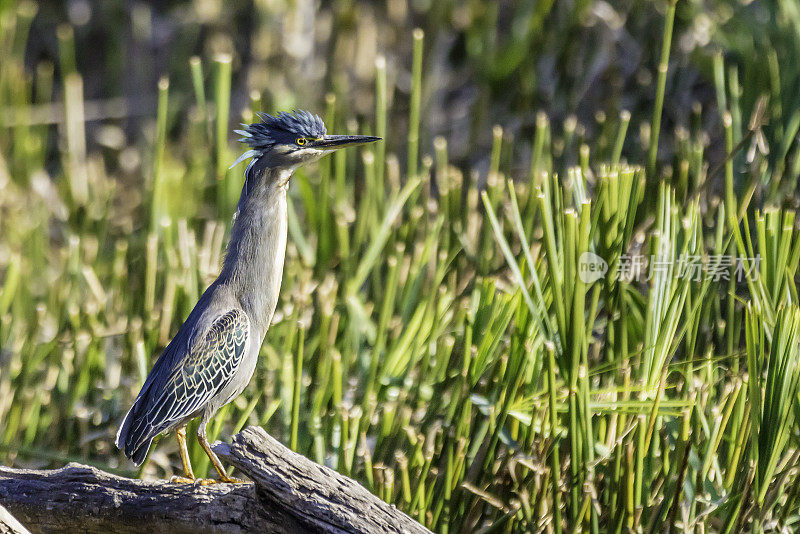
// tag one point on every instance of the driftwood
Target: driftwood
(290, 494)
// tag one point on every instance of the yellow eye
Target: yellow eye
(301, 141)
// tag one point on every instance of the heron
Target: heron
(212, 357)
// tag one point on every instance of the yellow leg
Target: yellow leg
(187, 465)
(223, 475)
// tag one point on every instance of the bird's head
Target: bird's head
(288, 140)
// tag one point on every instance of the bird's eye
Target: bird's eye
(301, 141)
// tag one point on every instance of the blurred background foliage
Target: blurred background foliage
(486, 63)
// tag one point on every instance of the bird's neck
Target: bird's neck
(253, 265)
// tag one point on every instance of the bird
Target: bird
(212, 357)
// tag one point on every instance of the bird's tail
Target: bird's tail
(133, 444)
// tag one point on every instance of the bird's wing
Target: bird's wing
(203, 372)
(209, 366)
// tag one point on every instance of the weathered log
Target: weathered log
(291, 495)
(79, 498)
(319, 497)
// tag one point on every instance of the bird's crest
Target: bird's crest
(262, 135)
(274, 129)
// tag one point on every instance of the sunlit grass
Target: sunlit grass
(435, 338)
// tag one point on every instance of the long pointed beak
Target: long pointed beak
(335, 142)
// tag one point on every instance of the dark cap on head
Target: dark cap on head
(274, 129)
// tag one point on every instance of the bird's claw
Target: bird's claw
(233, 480)
(175, 479)
(226, 480)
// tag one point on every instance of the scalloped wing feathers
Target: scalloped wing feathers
(194, 381)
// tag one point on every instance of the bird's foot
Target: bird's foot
(175, 479)
(226, 480)
(232, 480)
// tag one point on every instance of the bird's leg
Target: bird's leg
(223, 475)
(187, 465)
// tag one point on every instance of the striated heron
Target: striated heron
(211, 359)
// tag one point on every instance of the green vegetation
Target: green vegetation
(438, 338)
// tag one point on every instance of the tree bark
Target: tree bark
(319, 497)
(290, 495)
